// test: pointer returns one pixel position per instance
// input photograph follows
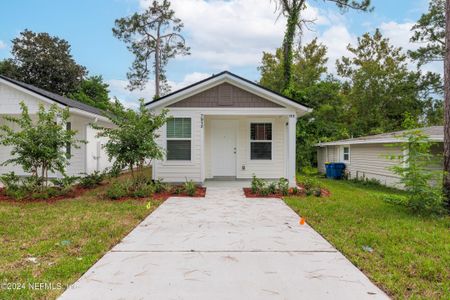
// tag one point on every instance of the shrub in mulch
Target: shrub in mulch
(45, 196)
(300, 191)
(175, 191)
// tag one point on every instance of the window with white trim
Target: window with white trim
(261, 141)
(346, 154)
(179, 139)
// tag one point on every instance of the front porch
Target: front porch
(236, 147)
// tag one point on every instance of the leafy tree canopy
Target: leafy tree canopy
(429, 31)
(132, 141)
(380, 88)
(154, 37)
(93, 91)
(44, 61)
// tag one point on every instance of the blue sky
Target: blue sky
(222, 34)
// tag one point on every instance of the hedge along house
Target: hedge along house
(227, 127)
(88, 158)
(368, 156)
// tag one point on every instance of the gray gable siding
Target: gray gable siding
(224, 95)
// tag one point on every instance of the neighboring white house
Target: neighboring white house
(88, 158)
(227, 127)
(367, 157)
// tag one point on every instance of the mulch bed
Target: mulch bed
(301, 192)
(76, 192)
(199, 193)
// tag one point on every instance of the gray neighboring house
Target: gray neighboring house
(367, 156)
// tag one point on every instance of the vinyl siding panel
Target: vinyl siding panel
(179, 171)
(372, 161)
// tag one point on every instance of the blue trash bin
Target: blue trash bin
(335, 170)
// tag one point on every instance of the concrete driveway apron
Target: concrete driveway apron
(223, 246)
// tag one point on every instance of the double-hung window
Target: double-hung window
(261, 141)
(179, 139)
(346, 154)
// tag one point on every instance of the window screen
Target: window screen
(346, 153)
(260, 141)
(178, 139)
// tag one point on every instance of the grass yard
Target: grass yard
(65, 237)
(411, 253)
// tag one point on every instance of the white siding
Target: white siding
(366, 161)
(9, 104)
(372, 161)
(173, 171)
(274, 168)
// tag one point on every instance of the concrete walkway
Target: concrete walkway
(223, 247)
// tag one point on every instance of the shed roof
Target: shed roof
(434, 133)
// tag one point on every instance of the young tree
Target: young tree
(44, 61)
(292, 9)
(132, 141)
(153, 37)
(429, 31)
(447, 106)
(93, 91)
(39, 146)
(379, 86)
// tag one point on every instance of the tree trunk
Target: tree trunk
(157, 64)
(288, 44)
(447, 106)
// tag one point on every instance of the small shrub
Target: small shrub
(143, 191)
(272, 188)
(160, 186)
(92, 180)
(264, 191)
(295, 190)
(16, 193)
(317, 192)
(10, 181)
(117, 190)
(283, 186)
(177, 190)
(309, 171)
(65, 184)
(257, 184)
(190, 188)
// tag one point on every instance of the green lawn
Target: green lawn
(411, 253)
(66, 238)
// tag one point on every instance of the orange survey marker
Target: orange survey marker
(302, 221)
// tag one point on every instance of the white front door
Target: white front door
(223, 142)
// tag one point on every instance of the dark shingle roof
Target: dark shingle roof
(55, 97)
(435, 133)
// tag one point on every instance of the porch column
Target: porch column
(291, 136)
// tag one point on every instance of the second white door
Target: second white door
(223, 140)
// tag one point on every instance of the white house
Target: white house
(227, 127)
(368, 156)
(88, 158)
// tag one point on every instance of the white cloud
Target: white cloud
(399, 34)
(118, 88)
(232, 33)
(336, 38)
(2, 44)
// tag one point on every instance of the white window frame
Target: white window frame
(343, 153)
(261, 141)
(173, 161)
